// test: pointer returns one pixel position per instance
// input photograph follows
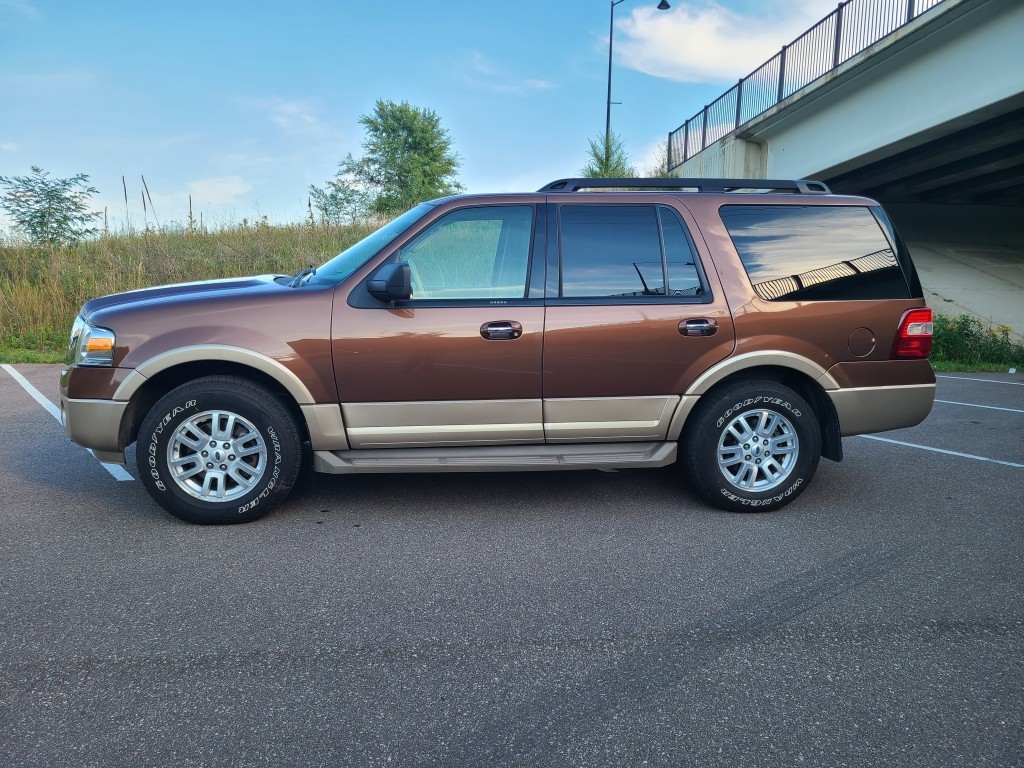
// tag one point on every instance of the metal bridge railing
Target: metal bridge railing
(852, 27)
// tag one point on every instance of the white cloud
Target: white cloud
(27, 10)
(8, 146)
(225, 190)
(480, 72)
(702, 42)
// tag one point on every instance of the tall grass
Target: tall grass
(42, 289)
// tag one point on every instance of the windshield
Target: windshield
(349, 260)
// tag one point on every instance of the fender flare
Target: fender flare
(214, 352)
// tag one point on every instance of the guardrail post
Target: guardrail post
(704, 129)
(782, 74)
(739, 101)
(671, 157)
(910, 10)
(686, 141)
(839, 36)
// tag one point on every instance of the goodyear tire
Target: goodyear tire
(751, 446)
(218, 450)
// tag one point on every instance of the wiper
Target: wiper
(301, 275)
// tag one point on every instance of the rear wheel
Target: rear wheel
(218, 450)
(751, 446)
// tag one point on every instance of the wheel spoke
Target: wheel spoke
(729, 456)
(740, 436)
(783, 445)
(771, 468)
(250, 451)
(745, 477)
(242, 474)
(769, 422)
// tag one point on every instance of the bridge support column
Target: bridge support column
(731, 158)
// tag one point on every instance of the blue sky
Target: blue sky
(244, 105)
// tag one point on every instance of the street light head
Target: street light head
(663, 6)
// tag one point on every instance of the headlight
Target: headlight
(90, 345)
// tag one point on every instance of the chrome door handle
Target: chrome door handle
(501, 330)
(698, 326)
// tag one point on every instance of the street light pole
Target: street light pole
(662, 6)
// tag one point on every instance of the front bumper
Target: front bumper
(95, 424)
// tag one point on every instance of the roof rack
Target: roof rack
(798, 186)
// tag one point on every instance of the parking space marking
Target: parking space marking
(987, 381)
(943, 450)
(975, 405)
(116, 470)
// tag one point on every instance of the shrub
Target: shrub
(965, 342)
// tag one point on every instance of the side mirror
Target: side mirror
(392, 282)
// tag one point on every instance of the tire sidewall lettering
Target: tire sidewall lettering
(763, 400)
(767, 501)
(152, 448)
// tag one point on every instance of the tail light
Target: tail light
(914, 339)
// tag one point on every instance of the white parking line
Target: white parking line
(943, 450)
(975, 405)
(989, 381)
(116, 470)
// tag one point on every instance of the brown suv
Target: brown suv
(740, 326)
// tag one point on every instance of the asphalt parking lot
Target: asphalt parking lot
(564, 619)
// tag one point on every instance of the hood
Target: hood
(162, 294)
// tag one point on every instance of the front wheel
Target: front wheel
(751, 446)
(218, 450)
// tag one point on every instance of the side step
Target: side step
(496, 458)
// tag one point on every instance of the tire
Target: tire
(751, 446)
(238, 477)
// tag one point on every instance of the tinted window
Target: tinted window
(473, 253)
(683, 277)
(626, 251)
(610, 250)
(794, 253)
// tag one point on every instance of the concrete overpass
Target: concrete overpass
(916, 103)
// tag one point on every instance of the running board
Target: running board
(496, 458)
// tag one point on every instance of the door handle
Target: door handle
(501, 329)
(698, 326)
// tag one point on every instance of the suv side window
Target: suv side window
(626, 252)
(472, 253)
(808, 253)
(681, 255)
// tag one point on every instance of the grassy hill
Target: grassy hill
(42, 289)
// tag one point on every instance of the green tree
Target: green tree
(49, 211)
(343, 201)
(658, 169)
(607, 158)
(408, 158)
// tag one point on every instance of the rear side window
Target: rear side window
(626, 252)
(808, 253)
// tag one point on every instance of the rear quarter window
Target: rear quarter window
(815, 253)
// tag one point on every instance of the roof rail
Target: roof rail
(799, 186)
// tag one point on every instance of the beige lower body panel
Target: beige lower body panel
(608, 419)
(500, 458)
(326, 427)
(96, 424)
(878, 409)
(441, 423)
(493, 422)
